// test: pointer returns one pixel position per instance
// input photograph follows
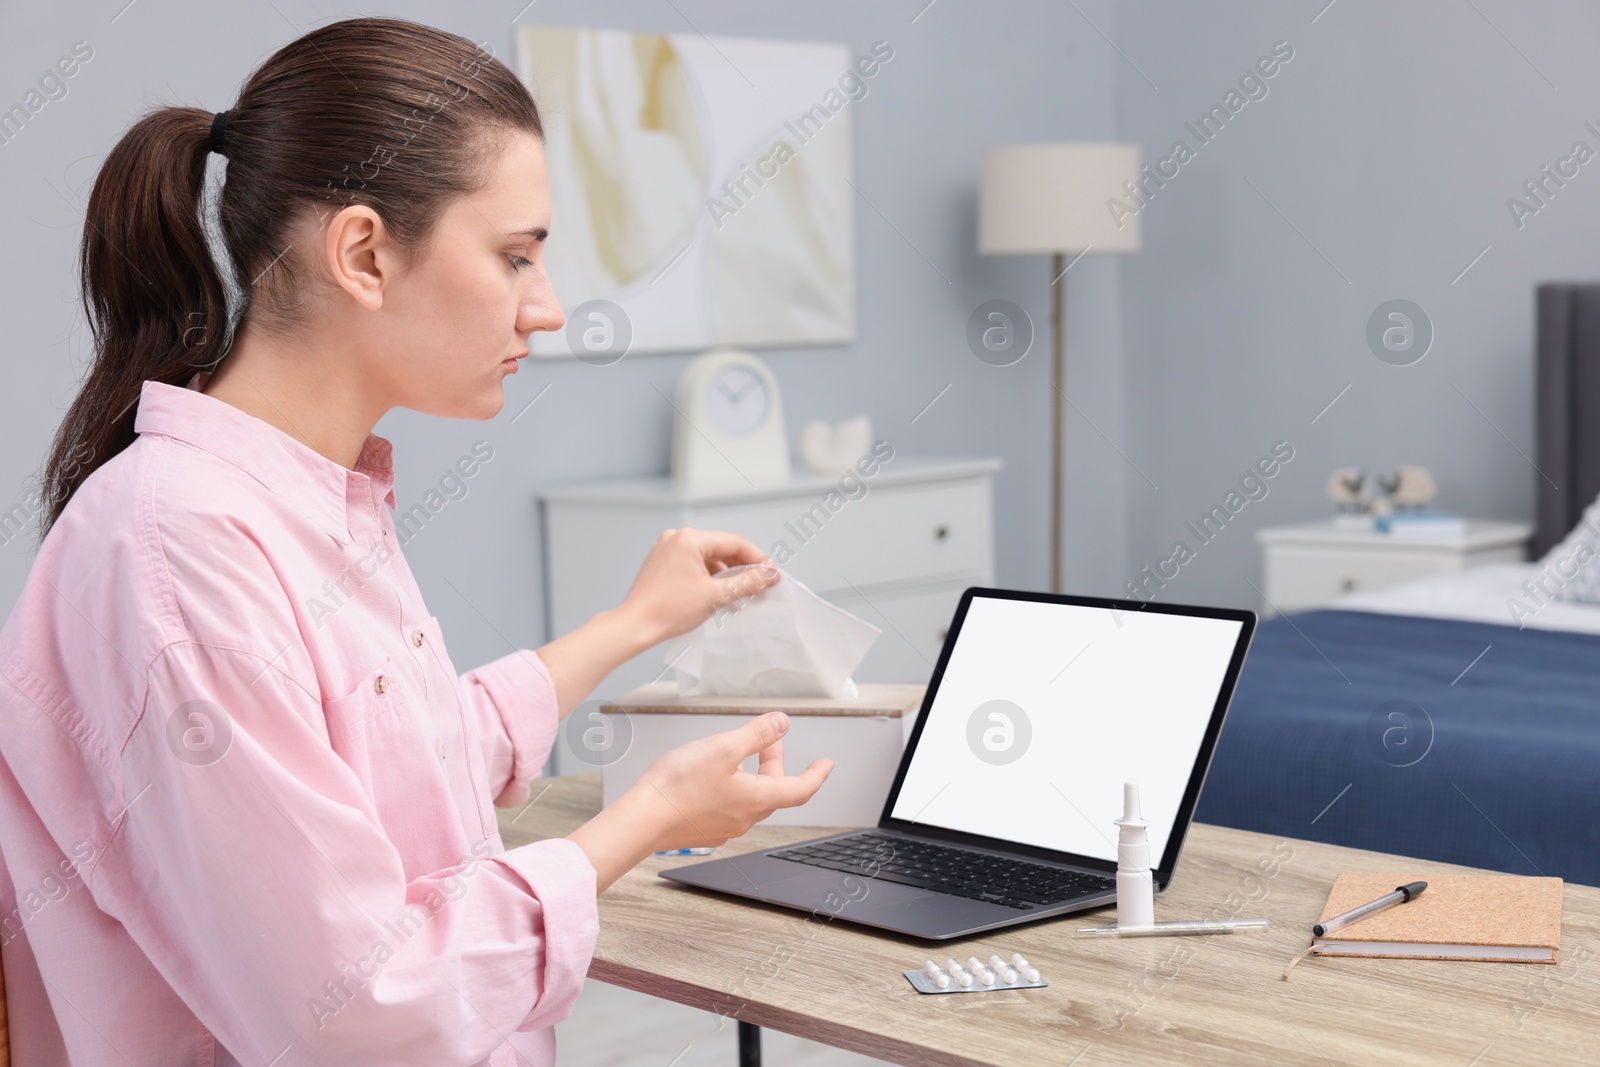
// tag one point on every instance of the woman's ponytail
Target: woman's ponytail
(382, 112)
(155, 300)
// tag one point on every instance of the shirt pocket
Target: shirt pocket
(374, 697)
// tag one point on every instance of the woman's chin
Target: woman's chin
(484, 405)
(487, 407)
(494, 402)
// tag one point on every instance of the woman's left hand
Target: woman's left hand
(677, 587)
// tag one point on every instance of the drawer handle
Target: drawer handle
(941, 532)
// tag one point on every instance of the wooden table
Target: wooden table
(1164, 1000)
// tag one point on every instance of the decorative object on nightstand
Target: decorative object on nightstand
(1412, 524)
(1051, 198)
(1409, 487)
(834, 449)
(1402, 510)
(729, 426)
(1410, 490)
(1308, 564)
(1347, 490)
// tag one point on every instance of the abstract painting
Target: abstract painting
(703, 185)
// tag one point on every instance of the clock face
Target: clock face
(736, 400)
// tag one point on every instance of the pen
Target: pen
(1401, 895)
(1188, 926)
(686, 852)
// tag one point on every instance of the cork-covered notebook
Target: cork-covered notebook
(1458, 917)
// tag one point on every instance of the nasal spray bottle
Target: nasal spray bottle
(1136, 903)
(1136, 891)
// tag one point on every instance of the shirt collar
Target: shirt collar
(309, 481)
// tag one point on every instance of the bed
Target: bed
(1456, 718)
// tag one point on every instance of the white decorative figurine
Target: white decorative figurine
(1346, 488)
(1410, 487)
(832, 449)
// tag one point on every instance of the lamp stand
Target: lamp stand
(1058, 382)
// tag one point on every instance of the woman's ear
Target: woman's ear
(359, 254)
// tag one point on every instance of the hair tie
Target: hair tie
(218, 139)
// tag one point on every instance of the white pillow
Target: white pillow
(1573, 566)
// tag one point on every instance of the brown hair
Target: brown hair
(377, 111)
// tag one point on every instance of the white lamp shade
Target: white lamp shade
(1058, 198)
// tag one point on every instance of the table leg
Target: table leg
(749, 1045)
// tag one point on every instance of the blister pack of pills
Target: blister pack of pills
(976, 976)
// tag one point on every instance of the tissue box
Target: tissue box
(864, 735)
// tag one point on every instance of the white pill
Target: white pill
(1007, 973)
(985, 975)
(963, 979)
(1026, 969)
(935, 975)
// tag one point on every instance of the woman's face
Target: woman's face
(456, 316)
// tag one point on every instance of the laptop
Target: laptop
(1001, 812)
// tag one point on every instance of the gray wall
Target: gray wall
(961, 79)
(1391, 143)
(1381, 160)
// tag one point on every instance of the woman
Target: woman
(246, 804)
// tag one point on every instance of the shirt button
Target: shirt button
(441, 750)
(416, 638)
(380, 683)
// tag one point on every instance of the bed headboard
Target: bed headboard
(1567, 387)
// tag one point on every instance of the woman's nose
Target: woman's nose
(540, 311)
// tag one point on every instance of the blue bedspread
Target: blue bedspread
(1361, 729)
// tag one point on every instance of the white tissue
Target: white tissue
(784, 641)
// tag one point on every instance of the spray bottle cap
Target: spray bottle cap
(1130, 805)
(1133, 844)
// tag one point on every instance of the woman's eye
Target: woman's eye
(518, 262)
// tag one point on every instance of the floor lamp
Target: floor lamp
(1068, 200)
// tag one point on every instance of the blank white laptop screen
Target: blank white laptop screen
(1104, 696)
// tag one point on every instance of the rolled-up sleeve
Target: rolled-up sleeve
(250, 866)
(513, 703)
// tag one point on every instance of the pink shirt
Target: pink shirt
(246, 803)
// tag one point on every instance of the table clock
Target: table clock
(729, 426)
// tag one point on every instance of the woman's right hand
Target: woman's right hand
(698, 796)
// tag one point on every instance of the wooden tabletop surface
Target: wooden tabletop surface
(1149, 1001)
(873, 700)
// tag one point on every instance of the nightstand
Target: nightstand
(899, 554)
(1307, 564)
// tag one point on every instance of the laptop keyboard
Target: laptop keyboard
(959, 872)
